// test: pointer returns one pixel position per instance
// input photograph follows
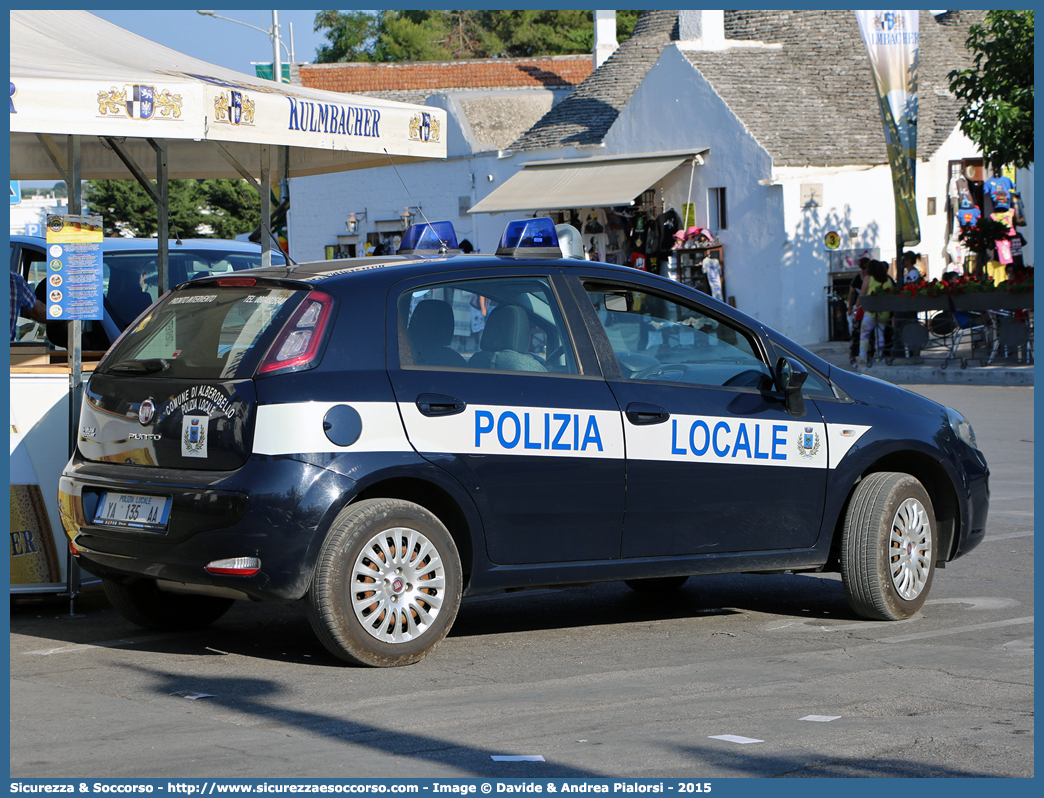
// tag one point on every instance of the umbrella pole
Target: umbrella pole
(74, 190)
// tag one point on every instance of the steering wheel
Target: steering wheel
(671, 372)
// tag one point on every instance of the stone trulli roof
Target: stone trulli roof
(809, 102)
(587, 114)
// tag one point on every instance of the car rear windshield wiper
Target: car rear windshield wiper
(150, 366)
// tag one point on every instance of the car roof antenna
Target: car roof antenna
(443, 245)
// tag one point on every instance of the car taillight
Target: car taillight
(234, 566)
(298, 342)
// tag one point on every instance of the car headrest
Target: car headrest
(507, 327)
(431, 323)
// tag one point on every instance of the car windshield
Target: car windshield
(209, 332)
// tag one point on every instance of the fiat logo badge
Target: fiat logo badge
(146, 411)
(398, 585)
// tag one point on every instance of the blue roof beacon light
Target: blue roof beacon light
(429, 238)
(530, 238)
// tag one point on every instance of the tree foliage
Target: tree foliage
(226, 208)
(450, 35)
(998, 91)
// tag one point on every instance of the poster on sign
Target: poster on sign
(74, 268)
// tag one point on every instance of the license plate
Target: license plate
(133, 511)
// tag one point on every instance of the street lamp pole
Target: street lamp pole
(277, 67)
(272, 33)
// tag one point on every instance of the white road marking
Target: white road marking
(977, 604)
(526, 758)
(75, 648)
(734, 738)
(820, 718)
(956, 630)
(1008, 536)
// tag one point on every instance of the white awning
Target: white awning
(74, 73)
(581, 182)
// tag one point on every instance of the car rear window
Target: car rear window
(211, 332)
(134, 271)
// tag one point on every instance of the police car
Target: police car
(378, 437)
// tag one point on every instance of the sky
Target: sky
(219, 41)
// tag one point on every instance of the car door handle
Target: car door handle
(437, 404)
(639, 413)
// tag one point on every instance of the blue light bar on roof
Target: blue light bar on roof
(530, 238)
(429, 238)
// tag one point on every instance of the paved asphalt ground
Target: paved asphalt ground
(599, 681)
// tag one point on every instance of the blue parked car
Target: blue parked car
(379, 436)
(130, 277)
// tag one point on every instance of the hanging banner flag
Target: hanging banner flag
(891, 39)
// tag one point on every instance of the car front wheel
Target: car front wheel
(388, 583)
(888, 547)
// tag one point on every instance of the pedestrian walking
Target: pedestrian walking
(873, 323)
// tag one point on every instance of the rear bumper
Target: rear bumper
(274, 509)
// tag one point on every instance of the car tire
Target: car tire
(662, 584)
(888, 547)
(141, 602)
(387, 585)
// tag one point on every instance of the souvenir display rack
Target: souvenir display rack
(690, 266)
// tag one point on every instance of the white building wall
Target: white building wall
(854, 199)
(847, 200)
(321, 204)
(676, 109)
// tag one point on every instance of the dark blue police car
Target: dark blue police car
(379, 436)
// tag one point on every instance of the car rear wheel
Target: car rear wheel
(663, 584)
(888, 547)
(143, 603)
(387, 586)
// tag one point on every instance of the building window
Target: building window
(717, 218)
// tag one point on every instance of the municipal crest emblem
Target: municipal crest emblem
(234, 108)
(808, 443)
(194, 436)
(424, 127)
(141, 101)
(889, 20)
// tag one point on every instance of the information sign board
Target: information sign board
(74, 267)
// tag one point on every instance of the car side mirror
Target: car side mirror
(790, 377)
(619, 303)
